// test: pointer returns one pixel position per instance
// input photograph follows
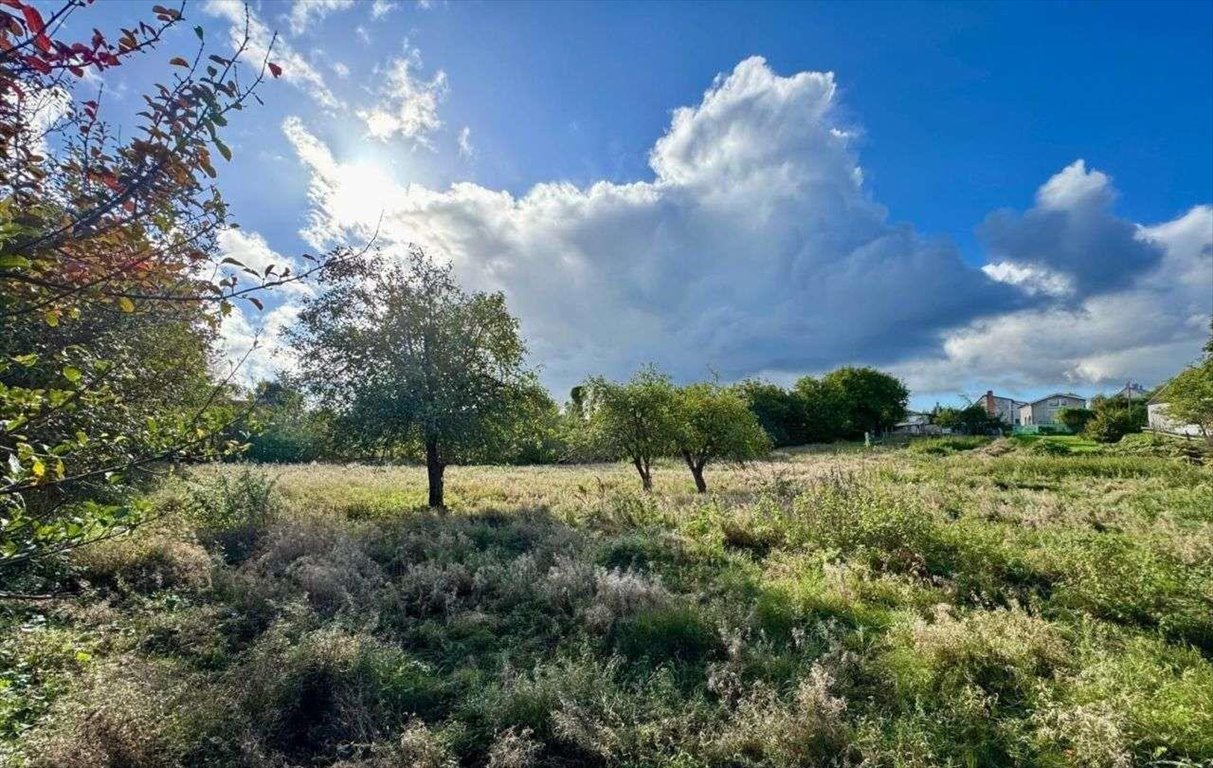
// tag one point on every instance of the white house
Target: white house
(1159, 420)
(1044, 410)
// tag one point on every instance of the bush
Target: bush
(811, 729)
(1075, 419)
(942, 446)
(1114, 418)
(232, 512)
(147, 560)
(621, 595)
(137, 714)
(1047, 447)
(884, 528)
(333, 687)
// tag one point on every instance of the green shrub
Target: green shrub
(132, 713)
(886, 528)
(964, 685)
(332, 687)
(1121, 578)
(146, 560)
(232, 512)
(808, 729)
(1047, 447)
(942, 446)
(1114, 418)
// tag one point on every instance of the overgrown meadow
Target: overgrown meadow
(955, 603)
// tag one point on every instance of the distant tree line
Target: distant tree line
(841, 405)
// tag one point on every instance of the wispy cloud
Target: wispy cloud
(304, 12)
(381, 8)
(466, 150)
(408, 103)
(296, 70)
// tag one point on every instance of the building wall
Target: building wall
(1002, 408)
(1025, 415)
(1045, 411)
(1159, 421)
(1006, 410)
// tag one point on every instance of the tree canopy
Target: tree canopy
(638, 420)
(1189, 396)
(973, 419)
(410, 363)
(868, 400)
(111, 284)
(716, 425)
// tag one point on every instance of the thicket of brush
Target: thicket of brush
(877, 608)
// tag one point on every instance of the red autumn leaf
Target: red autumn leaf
(43, 43)
(38, 64)
(275, 70)
(11, 3)
(33, 19)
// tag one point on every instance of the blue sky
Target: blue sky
(922, 208)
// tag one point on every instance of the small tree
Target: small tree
(639, 420)
(1115, 417)
(411, 362)
(111, 281)
(973, 419)
(717, 425)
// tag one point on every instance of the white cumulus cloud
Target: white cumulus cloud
(252, 251)
(1145, 331)
(755, 247)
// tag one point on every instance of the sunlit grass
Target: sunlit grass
(955, 603)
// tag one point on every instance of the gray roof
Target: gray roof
(1057, 394)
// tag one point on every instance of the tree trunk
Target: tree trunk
(646, 476)
(696, 468)
(433, 469)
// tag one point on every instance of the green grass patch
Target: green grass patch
(959, 602)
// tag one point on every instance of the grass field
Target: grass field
(954, 603)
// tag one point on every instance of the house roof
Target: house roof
(1014, 402)
(1057, 394)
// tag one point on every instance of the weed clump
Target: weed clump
(232, 512)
